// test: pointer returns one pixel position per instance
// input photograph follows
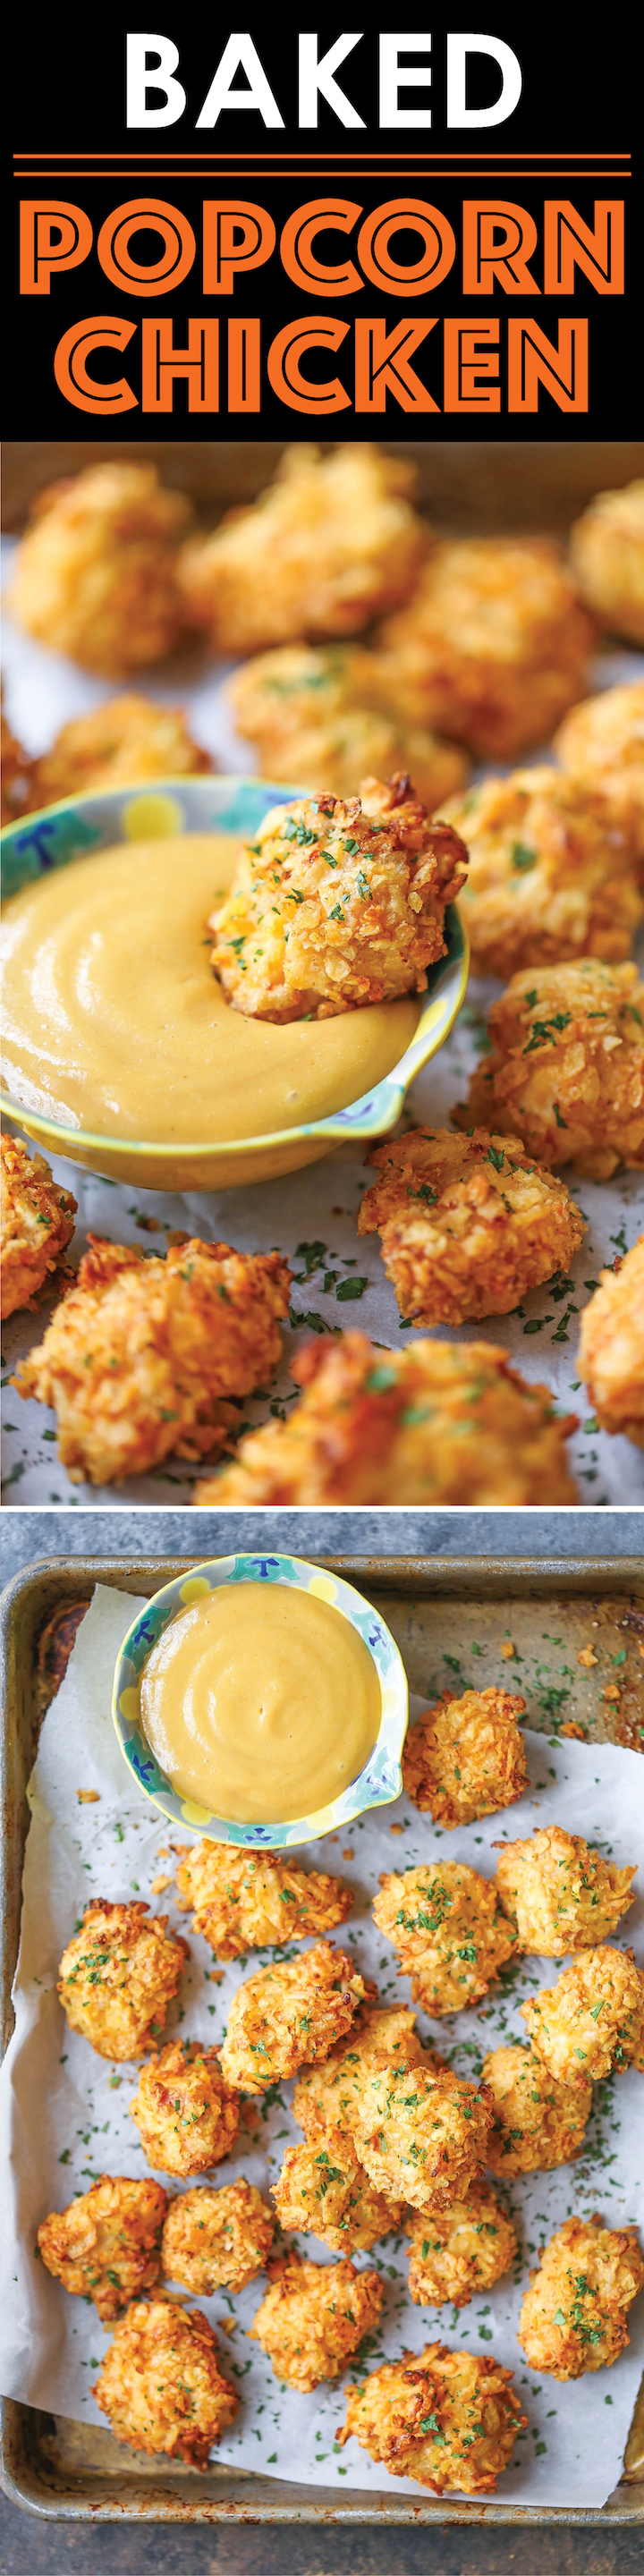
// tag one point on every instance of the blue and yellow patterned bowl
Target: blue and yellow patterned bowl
(376, 1786)
(65, 832)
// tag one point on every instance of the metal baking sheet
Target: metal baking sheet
(71, 2472)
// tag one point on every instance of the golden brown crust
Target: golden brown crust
(160, 2384)
(118, 1975)
(592, 2020)
(448, 1931)
(458, 2251)
(36, 1220)
(539, 2120)
(317, 715)
(338, 903)
(422, 2136)
(601, 742)
(106, 2244)
(96, 574)
(467, 1223)
(611, 1347)
(328, 545)
(324, 2191)
(493, 646)
(289, 2014)
(573, 2316)
(246, 1900)
(143, 1357)
(466, 1757)
(566, 1070)
(550, 876)
(559, 1893)
(122, 743)
(16, 773)
(313, 2317)
(607, 556)
(444, 2418)
(329, 2096)
(216, 2240)
(434, 1423)
(186, 2113)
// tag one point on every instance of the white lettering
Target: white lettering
(458, 48)
(392, 79)
(240, 54)
(316, 80)
(151, 64)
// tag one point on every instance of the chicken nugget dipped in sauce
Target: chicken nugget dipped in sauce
(118, 1975)
(160, 2384)
(444, 2418)
(559, 1893)
(216, 2240)
(574, 2314)
(539, 2118)
(244, 1900)
(288, 2014)
(611, 1347)
(36, 1224)
(186, 2114)
(106, 2245)
(566, 1067)
(457, 2252)
(313, 2317)
(466, 1757)
(448, 1930)
(591, 2023)
(467, 1223)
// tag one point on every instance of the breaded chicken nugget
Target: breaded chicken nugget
(106, 2244)
(539, 2121)
(318, 715)
(458, 2251)
(329, 2096)
(601, 742)
(493, 647)
(566, 1070)
(611, 1347)
(160, 2384)
(16, 772)
(127, 740)
(434, 1423)
(118, 1975)
(592, 2021)
(217, 2240)
(327, 546)
(551, 875)
(36, 1223)
(467, 1223)
(448, 1931)
(444, 2418)
(313, 2318)
(245, 1900)
(422, 2137)
(466, 1757)
(607, 556)
(559, 1893)
(287, 2015)
(337, 904)
(186, 2113)
(143, 1357)
(324, 2191)
(573, 2316)
(96, 574)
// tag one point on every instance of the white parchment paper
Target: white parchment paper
(64, 2111)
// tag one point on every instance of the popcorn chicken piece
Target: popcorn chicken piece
(573, 2316)
(118, 1975)
(313, 2318)
(566, 1070)
(448, 1931)
(106, 2244)
(318, 715)
(287, 2015)
(120, 744)
(607, 556)
(160, 2384)
(466, 1757)
(559, 1893)
(592, 2021)
(436, 1423)
(96, 574)
(458, 2251)
(186, 2113)
(16, 771)
(467, 1224)
(143, 1357)
(422, 2137)
(539, 2121)
(324, 2191)
(338, 903)
(611, 1347)
(551, 875)
(493, 647)
(244, 1900)
(601, 742)
(328, 545)
(444, 2418)
(217, 2240)
(329, 2096)
(36, 1223)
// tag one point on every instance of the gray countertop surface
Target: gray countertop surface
(27, 1535)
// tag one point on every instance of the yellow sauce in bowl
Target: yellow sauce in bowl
(114, 1022)
(261, 1703)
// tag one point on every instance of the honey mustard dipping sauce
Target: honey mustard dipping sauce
(260, 1703)
(115, 1022)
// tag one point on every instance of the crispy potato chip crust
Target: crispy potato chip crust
(573, 2316)
(467, 1223)
(328, 545)
(321, 715)
(313, 2317)
(324, 2191)
(466, 1757)
(288, 2014)
(160, 2384)
(36, 1223)
(493, 647)
(443, 2418)
(550, 876)
(422, 2136)
(186, 2113)
(601, 742)
(566, 1071)
(448, 1931)
(611, 1347)
(559, 1893)
(329, 2096)
(592, 2020)
(118, 1975)
(96, 574)
(244, 1900)
(607, 555)
(119, 744)
(106, 2244)
(458, 2251)
(217, 2240)
(539, 2119)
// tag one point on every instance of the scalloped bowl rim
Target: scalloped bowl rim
(373, 1787)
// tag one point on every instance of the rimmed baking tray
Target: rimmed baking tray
(72, 2472)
